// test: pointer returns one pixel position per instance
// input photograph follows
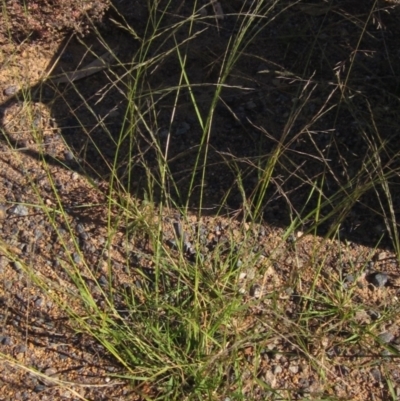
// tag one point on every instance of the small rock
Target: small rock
(255, 291)
(294, 369)
(50, 371)
(277, 369)
(11, 90)
(69, 156)
(376, 374)
(380, 256)
(80, 228)
(39, 388)
(374, 315)
(5, 340)
(103, 281)
(242, 275)
(19, 210)
(39, 302)
(378, 279)
(76, 258)
(386, 337)
(38, 234)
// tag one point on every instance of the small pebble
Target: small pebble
(376, 374)
(11, 90)
(5, 340)
(19, 210)
(80, 228)
(378, 279)
(294, 369)
(39, 388)
(69, 156)
(103, 281)
(39, 302)
(386, 337)
(50, 371)
(242, 275)
(74, 176)
(77, 258)
(277, 369)
(38, 234)
(255, 291)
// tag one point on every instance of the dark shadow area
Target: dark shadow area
(321, 83)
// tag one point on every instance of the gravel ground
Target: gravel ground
(35, 332)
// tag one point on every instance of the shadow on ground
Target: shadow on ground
(323, 83)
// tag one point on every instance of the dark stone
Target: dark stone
(377, 279)
(103, 281)
(39, 388)
(5, 340)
